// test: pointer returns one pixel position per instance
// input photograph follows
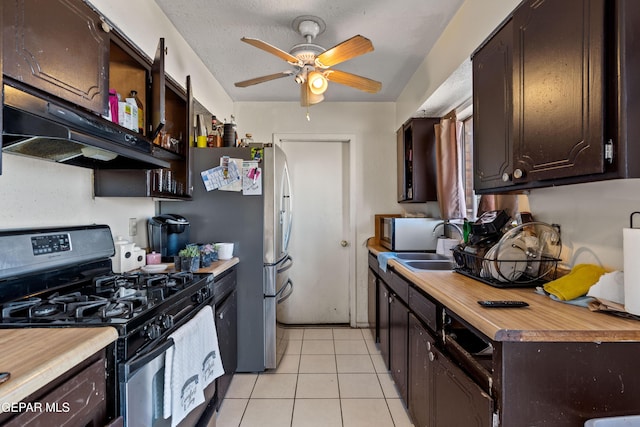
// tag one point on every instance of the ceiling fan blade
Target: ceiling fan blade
(355, 46)
(273, 50)
(263, 79)
(307, 98)
(353, 80)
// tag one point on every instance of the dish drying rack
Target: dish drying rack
(478, 267)
(525, 256)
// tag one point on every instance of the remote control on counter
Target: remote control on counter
(503, 304)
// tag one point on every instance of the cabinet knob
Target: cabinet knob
(432, 356)
(506, 177)
(105, 27)
(428, 345)
(518, 173)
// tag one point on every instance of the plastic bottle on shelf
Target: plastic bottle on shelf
(134, 95)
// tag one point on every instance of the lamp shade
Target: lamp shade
(317, 83)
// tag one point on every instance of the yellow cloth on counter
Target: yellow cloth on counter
(576, 283)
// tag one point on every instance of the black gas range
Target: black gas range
(62, 277)
(48, 291)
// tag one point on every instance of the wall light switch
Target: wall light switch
(133, 226)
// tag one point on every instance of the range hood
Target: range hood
(38, 126)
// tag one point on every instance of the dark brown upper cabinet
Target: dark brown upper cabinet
(60, 47)
(558, 89)
(416, 161)
(563, 113)
(493, 111)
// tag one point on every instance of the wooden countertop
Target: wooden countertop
(219, 267)
(544, 319)
(37, 356)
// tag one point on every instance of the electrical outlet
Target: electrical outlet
(133, 226)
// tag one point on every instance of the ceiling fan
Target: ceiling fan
(313, 63)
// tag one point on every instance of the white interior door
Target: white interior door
(320, 232)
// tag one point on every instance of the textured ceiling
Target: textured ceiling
(402, 33)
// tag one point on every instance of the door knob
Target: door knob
(344, 243)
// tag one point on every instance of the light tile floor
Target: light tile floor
(328, 377)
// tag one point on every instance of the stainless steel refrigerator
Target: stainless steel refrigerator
(259, 226)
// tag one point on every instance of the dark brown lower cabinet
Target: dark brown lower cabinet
(440, 393)
(227, 328)
(77, 398)
(398, 340)
(456, 399)
(420, 373)
(383, 321)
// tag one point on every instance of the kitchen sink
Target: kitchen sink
(426, 265)
(420, 256)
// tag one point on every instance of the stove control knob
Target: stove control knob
(167, 321)
(198, 297)
(153, 331)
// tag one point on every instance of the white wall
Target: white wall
(37, 193)
(591, 217)
(469, 27)
(375, 182)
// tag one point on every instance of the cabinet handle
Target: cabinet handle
(518, 173)
(105, 27)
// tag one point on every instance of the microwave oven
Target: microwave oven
(409, 234)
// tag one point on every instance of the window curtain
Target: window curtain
(451, 196)
(496, 202)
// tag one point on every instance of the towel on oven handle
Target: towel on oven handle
(191, 365)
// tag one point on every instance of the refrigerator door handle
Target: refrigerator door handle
(285, 292)
(287, 263)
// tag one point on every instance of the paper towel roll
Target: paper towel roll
(631, 254)
(445, 246)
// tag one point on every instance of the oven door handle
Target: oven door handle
(132, 366)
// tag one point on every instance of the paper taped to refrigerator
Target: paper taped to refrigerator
(251, 179)
(220, 176)
(236, 185)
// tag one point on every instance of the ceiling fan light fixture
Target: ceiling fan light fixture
(317, 83)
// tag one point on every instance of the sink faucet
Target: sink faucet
(446, 223)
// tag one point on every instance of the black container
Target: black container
(229, 135)
(168, 234)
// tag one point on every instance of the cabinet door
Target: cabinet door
(58, 46)
(420, 373)
(158, 92)
(398, 341)
(559, 89)
(416, 150)
(493, 112)
(372, 303)
(456, 399)
(226, 326)
(383, 321)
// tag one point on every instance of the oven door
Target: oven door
(142, 391)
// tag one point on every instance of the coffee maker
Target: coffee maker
(168, 234)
